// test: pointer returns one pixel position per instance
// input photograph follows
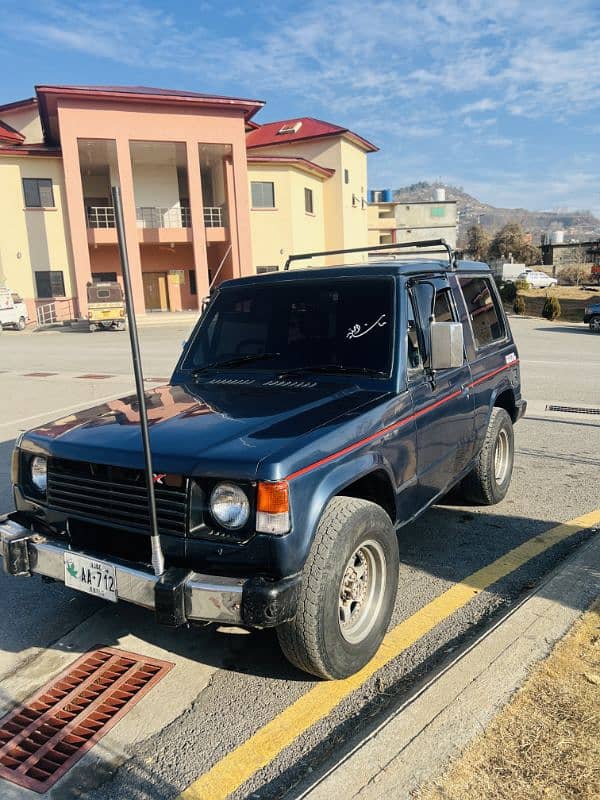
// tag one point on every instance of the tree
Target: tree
(478, 242)
(510, 241)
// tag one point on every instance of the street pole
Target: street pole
(158, 561)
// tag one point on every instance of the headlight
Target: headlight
(39, 473)
(229, 505)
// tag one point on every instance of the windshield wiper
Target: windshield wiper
(334, 368)
(234, 362)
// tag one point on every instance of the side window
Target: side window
(442, 310)
(486, 319)
(414, 358)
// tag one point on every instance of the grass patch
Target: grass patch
(545, 744)
(572, 301)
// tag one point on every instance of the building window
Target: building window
(308, 201)
(262, 270)
(346, 176)
(38, 193)
(104, 277)
(263, 194)
(50, 283)
(192, 274)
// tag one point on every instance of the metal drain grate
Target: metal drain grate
(573, 409)
(41, 739)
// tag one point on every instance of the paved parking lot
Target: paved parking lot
(228, 684)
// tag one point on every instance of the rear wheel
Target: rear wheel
(93, 327)
(489, 480)
(348, 591)
(595, 323)
(21, 324)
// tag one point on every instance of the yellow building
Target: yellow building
(308, 189)
(394, 221)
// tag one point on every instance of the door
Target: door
(442, 400)
(155, 291)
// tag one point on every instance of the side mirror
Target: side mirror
(447, 345)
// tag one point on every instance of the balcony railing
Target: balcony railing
(214, 217)
(100, 217)
(152, 217)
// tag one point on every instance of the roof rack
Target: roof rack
(442, 243)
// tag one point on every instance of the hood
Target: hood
(222, 427)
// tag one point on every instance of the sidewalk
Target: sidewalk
(416, 743)
(185, 318)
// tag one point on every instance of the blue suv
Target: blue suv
(312, 414)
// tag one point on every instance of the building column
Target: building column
(77, 221)
(239, 212)
(197, 223)
(130, 222)
(232, 218)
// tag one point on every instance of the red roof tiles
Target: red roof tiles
(9, 134)
(307, 128)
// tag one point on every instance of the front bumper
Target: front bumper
(178, 596)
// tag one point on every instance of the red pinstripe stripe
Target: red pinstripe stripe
(404, 421)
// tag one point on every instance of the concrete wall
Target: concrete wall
(33, 238)
(286, 229)
(27, 122)
(155, 185)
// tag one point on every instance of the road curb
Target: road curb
(438, 720)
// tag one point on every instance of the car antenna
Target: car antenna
(158, 560)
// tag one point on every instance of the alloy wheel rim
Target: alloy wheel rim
(501, 458)
(361, 593)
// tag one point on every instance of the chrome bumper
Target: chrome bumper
(205, 597)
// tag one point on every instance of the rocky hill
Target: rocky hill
(578, 225)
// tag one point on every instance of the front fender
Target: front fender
(310, 494)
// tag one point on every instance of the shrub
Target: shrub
(551, 309)
(519, 305)
(521, 285)
(508, 292)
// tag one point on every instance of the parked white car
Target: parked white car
(13, 311)
(536, 278)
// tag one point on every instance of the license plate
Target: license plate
(91, 576)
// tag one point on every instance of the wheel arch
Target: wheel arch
(504, 397)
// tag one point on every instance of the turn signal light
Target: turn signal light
(273, 508)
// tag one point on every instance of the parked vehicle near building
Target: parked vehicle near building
(535, 278)
(591, 316)
(106, 307)
(311, 415)
(13, 311)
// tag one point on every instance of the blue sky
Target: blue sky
(500, 98)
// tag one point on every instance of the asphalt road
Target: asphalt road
(235, 682)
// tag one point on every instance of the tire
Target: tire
(93, 327)
(21, 324)
(333, 634)
(489, 480)
(595, 323)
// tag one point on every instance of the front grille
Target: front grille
(116, 496)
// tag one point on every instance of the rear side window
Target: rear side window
(486, 318)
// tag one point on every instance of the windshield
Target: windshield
(341, 325)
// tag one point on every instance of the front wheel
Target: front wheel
(488, 481)
(595, 324)
(348, 591)
(21, 324)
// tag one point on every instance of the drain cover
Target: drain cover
(573, 409)
(41, 739)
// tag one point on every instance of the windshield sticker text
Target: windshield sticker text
(358, 330)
